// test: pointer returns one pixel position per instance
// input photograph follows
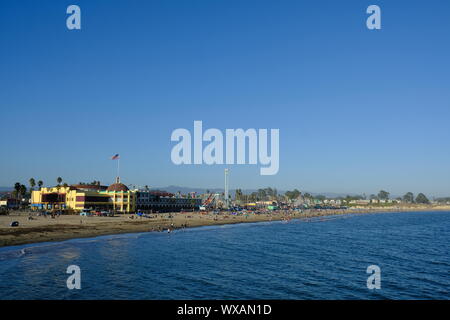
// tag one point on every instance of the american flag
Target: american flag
(115, 157)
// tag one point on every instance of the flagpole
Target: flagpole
(118, 167)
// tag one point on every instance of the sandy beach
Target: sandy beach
(42, 229)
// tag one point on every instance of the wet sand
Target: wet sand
(41, 228)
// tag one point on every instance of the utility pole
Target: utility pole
(226, 188)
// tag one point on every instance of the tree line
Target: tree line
(268, 194)
(20, 191)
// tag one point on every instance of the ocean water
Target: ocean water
(319, 259)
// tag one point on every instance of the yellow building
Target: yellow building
(117, 198)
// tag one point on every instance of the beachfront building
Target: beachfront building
(161, 201)
(117, 198)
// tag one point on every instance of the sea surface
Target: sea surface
(301, 259)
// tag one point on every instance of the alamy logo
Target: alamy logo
(74, 280)
(235, 143)
(374, 280)
(73, 22)
(374, 20)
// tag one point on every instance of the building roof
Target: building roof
(89, 187)
(117, 187)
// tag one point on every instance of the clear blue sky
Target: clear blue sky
(358, 110)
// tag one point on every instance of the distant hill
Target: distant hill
(5, 189)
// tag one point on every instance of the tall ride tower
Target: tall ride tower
(226, 189)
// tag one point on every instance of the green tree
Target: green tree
(269, 192)
(383, 195)
(291, 195)
(40, 184)
(262, 194)
(23, 190)
(17, 190)
(32, 183)
(421, 198)
(59, 180)
(408, 197)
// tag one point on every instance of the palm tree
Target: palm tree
(32, 184)
(40, 183)
(20, 191)
(23, 190)
(17, 189)
(59, 180)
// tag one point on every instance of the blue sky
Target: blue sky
(358, 110)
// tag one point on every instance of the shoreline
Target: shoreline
(46, 229)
